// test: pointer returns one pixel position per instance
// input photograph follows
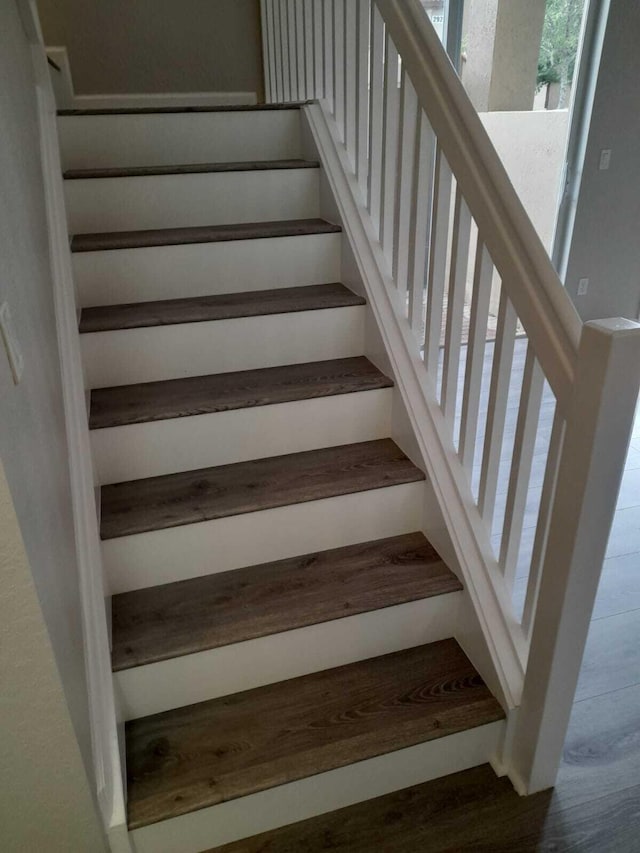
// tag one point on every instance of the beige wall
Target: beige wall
(33, 446)
(45, 802)
(131, 46)
(531, 146)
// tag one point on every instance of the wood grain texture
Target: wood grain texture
(222, 108)
(181, 618)
(189, 169)
(468, 812)
(172, 500)
(222, 392)
(193, 757)
(224, 306)
(108, 240)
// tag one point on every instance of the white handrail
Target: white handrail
(541, 302)
(439, 212)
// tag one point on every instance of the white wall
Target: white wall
(33, 446)
(606, 236)
(131, 46)
(45, 802)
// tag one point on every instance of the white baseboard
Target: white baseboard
(66, 98)
(108, 781)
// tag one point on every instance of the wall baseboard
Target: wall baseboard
(66, 97)
(108, 781)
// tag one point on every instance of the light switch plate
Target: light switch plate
(16, 361)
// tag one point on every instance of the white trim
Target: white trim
(324, 792)
(66, 97)
(481, 574)
(101, 700)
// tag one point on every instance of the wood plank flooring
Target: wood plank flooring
(215, 751)
(222, 392)
(108, 240)
(204, 613)
(172, 500)
(189, 169)
(223, 306)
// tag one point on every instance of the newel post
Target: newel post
(599, 421)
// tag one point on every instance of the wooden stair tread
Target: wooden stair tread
(222, 108)
(189, 169)
(224, 306)
(172, 500)
(200, 755)
(222, 392)
(185, 617)
(465, 812)
(109, 240)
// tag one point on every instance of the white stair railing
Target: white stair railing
(453, 231)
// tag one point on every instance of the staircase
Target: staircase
(282, 627)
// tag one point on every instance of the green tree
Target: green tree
(559, 47)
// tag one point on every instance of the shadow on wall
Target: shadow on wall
(158, 46)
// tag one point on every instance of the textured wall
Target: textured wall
(131, 46)
(33, 444)
(45, 803)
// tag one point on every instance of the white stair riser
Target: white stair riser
(168, 139)
(197, 349)
(194, 678)
(200, 269)
(204, 548)
(324, 792)
(183, 444)
(180, 201)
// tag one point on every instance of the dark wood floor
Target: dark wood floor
(595, 806)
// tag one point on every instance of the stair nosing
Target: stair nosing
(189, 169)
(148, 238)
(311, 724)
(208, 401)
(197, 507)
(221, 108)
(294, 593)
(219, 307)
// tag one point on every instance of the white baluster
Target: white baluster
(391, 110)
(279, 56)
(327, 38)
(350, 82)
(438, 246)
(421, 205)
(461, 234)
(292, 93)
(318, 50)
(376, 117)
(300, 51)
(338, 66)
(362, 95)
(523, 449)
(407, 149)
(542, 524)
(309, 90)
(497, 408)
(478, 321)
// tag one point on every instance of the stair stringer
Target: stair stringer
(489, 635)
